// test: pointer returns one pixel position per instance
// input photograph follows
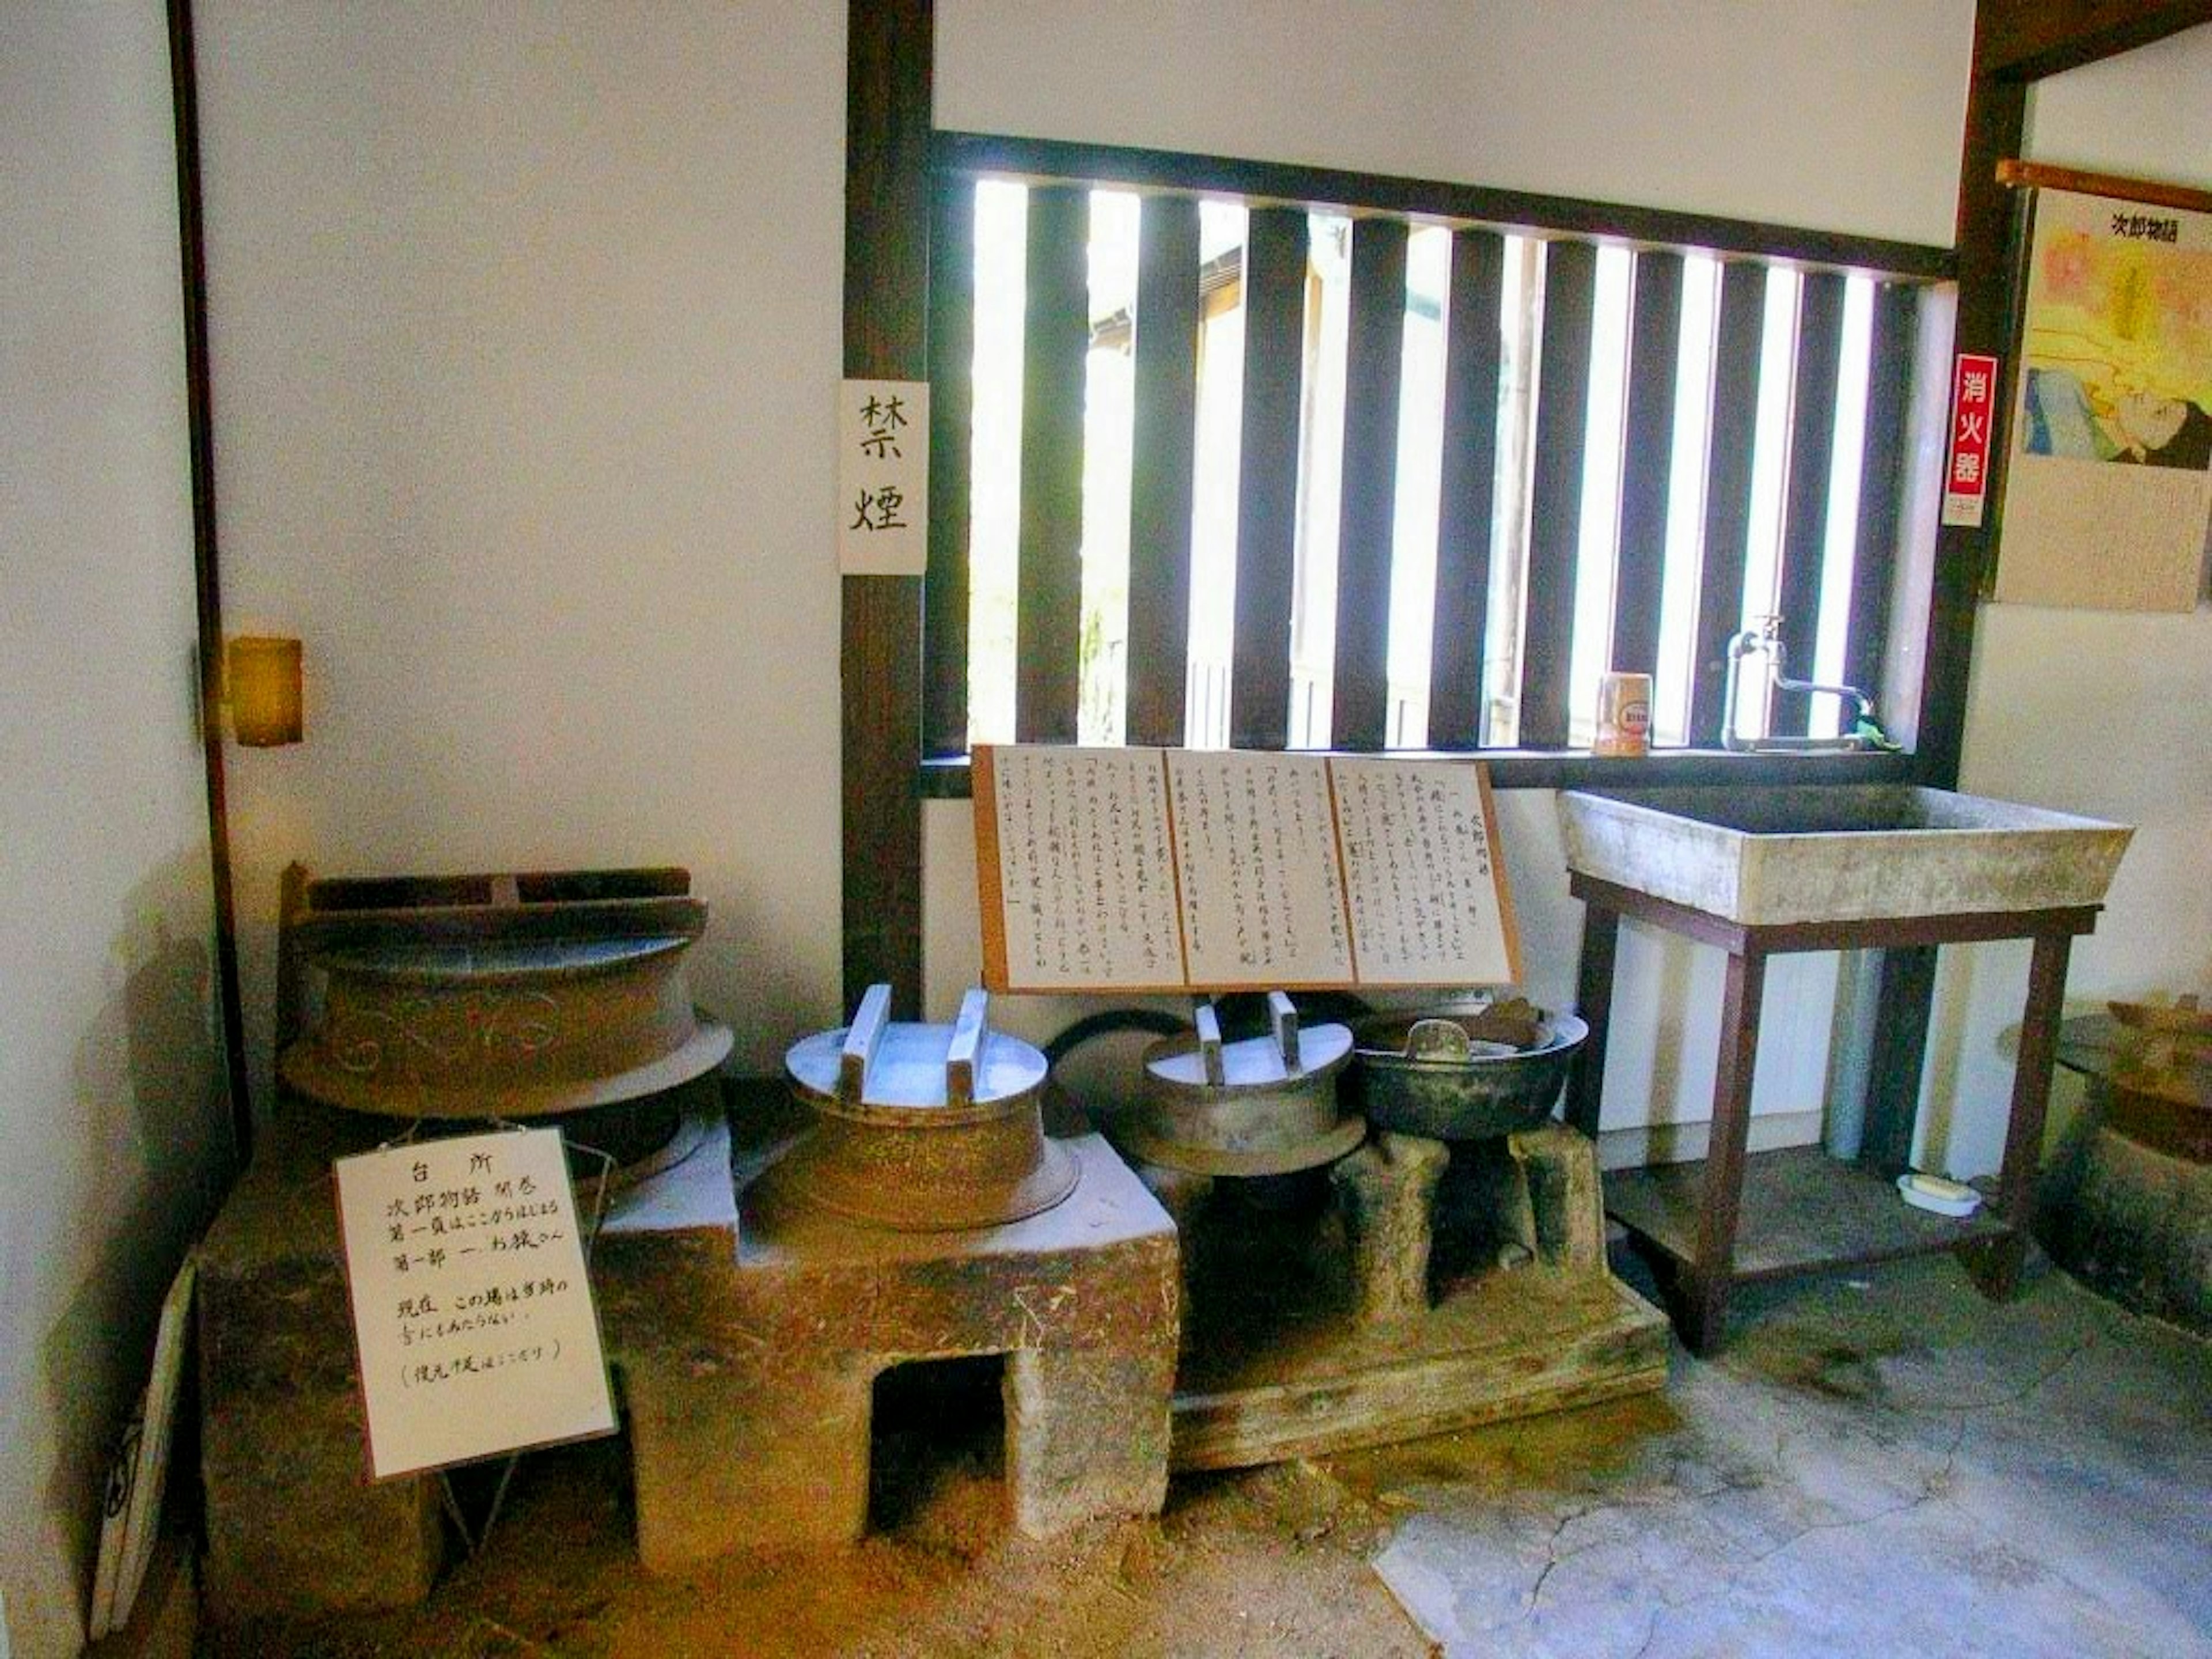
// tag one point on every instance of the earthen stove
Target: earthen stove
(427, 1005)
(1352, 1283)
(744, 1347)
(927, 1218)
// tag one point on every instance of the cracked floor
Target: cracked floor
(1883, 1465)
(1887, 1466)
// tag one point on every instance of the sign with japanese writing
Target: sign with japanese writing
(1177, 869)
(1973, 413)
(883, 478)
(472, 1317)
(2108, 473)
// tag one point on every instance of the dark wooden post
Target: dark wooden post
(887, 120)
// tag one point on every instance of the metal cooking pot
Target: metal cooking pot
(1263, 1106)
(923, 1128)
(1433, 1073)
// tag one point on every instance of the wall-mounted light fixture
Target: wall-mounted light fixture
(261, 680)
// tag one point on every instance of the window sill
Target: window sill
(1528, 769)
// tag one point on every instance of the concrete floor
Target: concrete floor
(1886, 1466)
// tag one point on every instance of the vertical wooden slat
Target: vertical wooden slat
(1373, 361)
(207, 581)
(1055, 341)
(951, 424)
(1647, 461)
(1880, 508)
(1555, 491)
(1805, 497)
(1163, 450)
(887, 120)
(1474, 354)
(1729, 435)
(1275, 260)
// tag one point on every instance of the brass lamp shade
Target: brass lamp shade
(262, 678)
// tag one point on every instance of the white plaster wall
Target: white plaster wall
(110, 1117)
(2104, 713)
(525, 329)
(1845, 116)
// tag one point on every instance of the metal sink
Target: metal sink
(1813, 854)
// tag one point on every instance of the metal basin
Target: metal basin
(1855, 853)
(1410, 1076)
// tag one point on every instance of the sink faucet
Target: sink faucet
(1765, 640)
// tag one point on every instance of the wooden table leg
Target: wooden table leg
(1702, 1315)
(1995, 1264)
(1594, 1002)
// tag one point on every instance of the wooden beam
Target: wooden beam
(1730, 440)
(1374, 356)
(1275, 261)
(1555, 491)
(1647, 466)
(1882, 484)
(2023, 41)
(887, 117)
(1055, 343)
(1162, 456)
(1466, 488)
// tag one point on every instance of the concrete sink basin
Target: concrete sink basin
(1761, 856)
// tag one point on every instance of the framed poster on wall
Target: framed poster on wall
(2108, 483)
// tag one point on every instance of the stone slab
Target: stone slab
(1836, 853)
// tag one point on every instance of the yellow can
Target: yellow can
(1624, 715)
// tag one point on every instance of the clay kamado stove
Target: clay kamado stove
(1383, 1233)
(925, 1217)
(447, 1005)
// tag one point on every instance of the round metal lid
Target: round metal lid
(881, 1071)
(1251, 1062)
(1285, 1057)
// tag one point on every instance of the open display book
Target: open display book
(1185, 870)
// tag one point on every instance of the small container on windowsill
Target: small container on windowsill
(1624, 716)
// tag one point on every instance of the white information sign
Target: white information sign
(472, 1316)
(883, 478)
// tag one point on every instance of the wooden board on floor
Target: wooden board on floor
(1509, 1344)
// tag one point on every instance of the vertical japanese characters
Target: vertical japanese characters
(472, 1316)
(1147, 869)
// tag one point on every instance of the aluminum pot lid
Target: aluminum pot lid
(1285, 1056)
(963, 1070)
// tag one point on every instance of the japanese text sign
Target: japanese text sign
(472, 1316)
(1973, 415)
(883, 478)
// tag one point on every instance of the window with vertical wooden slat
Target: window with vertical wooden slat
(1231, 464)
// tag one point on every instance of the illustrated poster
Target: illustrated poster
(2108, 491)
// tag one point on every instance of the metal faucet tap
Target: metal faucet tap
(1765, 640)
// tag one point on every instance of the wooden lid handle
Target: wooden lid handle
(964, 1054)
(1209, 1043)
(862, 1039)
(1286, 1020)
